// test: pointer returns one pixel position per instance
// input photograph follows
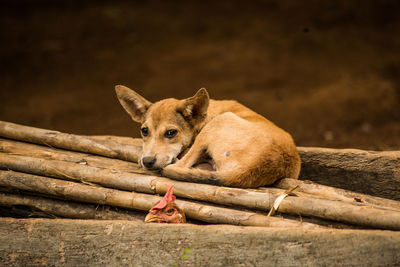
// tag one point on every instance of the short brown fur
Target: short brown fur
(216, 142)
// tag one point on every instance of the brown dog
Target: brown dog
(208, 141)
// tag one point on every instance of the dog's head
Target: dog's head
(168, 127)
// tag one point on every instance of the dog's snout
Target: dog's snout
(148, 162)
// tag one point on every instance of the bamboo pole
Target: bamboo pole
(333, 193)
(353, 213)
(131, 200)
(67, 209)
(69, 141)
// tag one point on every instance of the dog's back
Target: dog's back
(246, 149)
(240, 147)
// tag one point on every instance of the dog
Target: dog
(218, 142)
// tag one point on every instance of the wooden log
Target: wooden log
(374, 173)
(131, 200)
(368, 172)
(21, 148)
(69, 141)
(123, 140)
(333, 193)
(32, 150)
(44, 242)
(352, 213)
(67, 209)
(78, 172)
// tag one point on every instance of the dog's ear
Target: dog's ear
(133, 103)
(194, 109)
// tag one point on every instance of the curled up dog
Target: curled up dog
(219, 142)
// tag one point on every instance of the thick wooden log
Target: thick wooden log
(352, 213)
(69, 141)
(131, 200)
(44, 242)
(368, 172)
(67, 209)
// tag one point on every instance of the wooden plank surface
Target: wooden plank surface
(46, 242)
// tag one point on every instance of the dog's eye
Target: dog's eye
(170, 133)
(145, 131)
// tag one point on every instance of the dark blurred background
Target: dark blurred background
(326, 71)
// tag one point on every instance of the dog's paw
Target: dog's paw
(171, 171)
(180, 173)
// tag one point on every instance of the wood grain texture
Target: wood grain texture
(355, 213)
(56, 208)
(137, 201)
(369, 172)
(81, 143)
(44, 242)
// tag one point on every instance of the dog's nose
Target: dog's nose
(148, 162)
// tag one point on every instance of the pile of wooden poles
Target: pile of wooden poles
(54, 174)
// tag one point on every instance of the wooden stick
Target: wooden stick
(320, 164)
(32, 150)
(123, 140)
(333, 193)
(374, 173)
(68, 209)
(368, 172)
(353, 213)
(131, 200)
(21, 148)
(69, 141)
(83, 173)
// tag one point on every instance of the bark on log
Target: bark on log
(21, 148)
(25, 149)
(69, 141)
(13, 147)
(333, 193)
(353, 213)
(44, 242)
(131, 200)
(67, 209)
(123, 140)
(368, 172)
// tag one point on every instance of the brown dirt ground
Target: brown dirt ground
(326, 71)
